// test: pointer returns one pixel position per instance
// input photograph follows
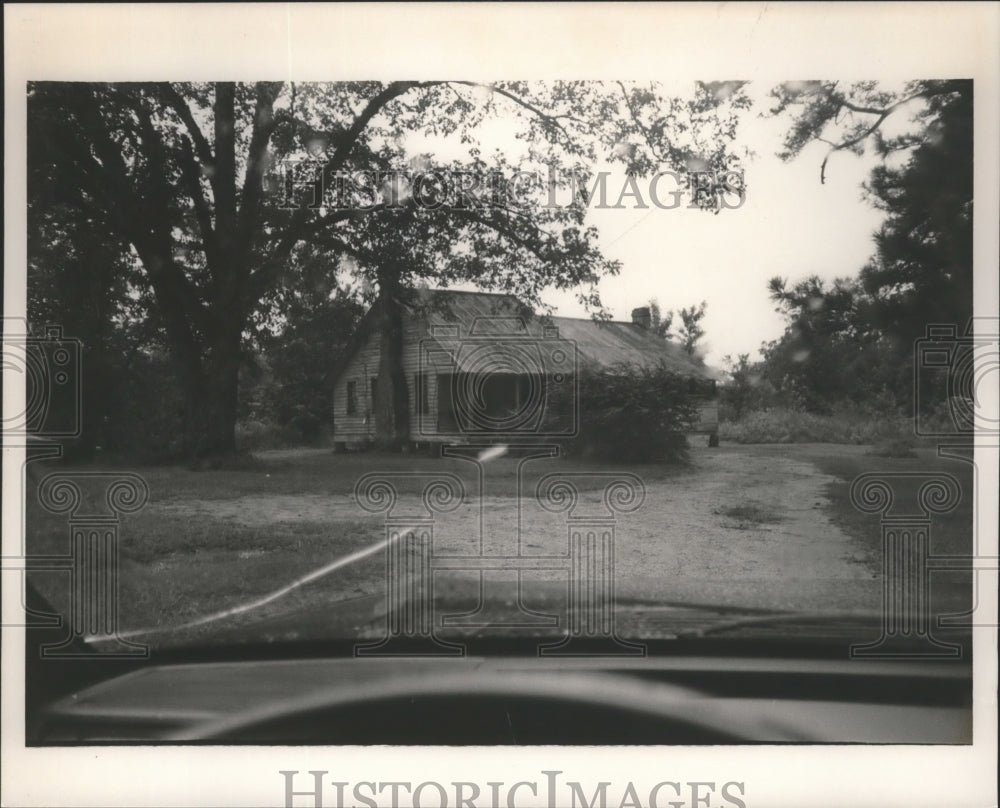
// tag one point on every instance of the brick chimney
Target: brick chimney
(642, 317)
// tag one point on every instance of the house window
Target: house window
(374, 388)
(352, 398)
(421, 393)
(445, 405)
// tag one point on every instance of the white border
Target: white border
(758, 41)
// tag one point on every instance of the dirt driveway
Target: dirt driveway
(742, 528)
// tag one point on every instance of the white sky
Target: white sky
(790, 225)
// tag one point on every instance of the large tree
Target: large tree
(855, 338)
(181, 172)
(80, 279)
(921, 272)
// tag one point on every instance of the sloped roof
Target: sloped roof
(456, 320)
(456, 316)
(608, 343)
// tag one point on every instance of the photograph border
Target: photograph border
(758, 41)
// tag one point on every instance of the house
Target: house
(482, 367)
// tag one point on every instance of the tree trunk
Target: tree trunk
(218, 427)
(213, 395)
(392, 404)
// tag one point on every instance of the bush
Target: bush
(254, 435)
(141, 415)
(631, 413)
(846, 424)
(948, 418)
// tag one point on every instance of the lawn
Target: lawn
(951, 533)
(213, 540)
(178, 565)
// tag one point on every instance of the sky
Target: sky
(789, 225)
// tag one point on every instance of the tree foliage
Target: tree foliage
(853, 339)
(295, 364)
(691, 331)
(688, 334)
(660, 322)
(847, 117)
(182, 174)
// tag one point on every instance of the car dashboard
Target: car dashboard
(692, 695)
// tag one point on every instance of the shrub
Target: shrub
(254, 435)
(142, 415)
(846, 424)
(948, 417)
(632, 413)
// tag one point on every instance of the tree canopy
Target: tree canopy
(853, 339)
(181, 178)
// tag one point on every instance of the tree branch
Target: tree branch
(192, 175)
(633, 114)
(176, 102)
(882, 113)
(176, 294)
(504, 229)
(253, 182)
(552, 120)
(372, 108)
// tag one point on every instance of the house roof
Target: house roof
(597, 343)
(605, 344)
(458, 321)
(512, 335)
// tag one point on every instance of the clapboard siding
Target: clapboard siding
(363, 367)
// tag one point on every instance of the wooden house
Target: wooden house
(481, 367)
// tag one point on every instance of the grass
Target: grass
(175, 569)
(894, 447)
(951, 533)
(320, 471)
(749, 514)
(177, 565)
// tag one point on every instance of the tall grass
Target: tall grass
(890, 433)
